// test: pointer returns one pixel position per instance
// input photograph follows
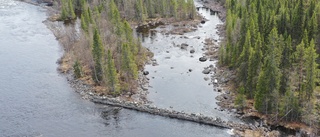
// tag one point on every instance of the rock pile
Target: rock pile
(199, 118)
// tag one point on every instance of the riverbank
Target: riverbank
(136, 101)
(85, 88)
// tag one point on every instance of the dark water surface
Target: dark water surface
(36, 100)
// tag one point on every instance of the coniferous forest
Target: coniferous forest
(272, 45)
(107, 51)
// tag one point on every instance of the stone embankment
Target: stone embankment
(198, 118)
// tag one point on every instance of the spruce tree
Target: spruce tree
(285, 65)
(112, 76)
(71, 10)
(244, 60)
(64, 14)
(300, 58)
(191, 9)
(97, 54)
(83, 24)
(268, 83)
(313, 26)
(128, 62)
(139, 8)
(254, 67)
(173, 8)
(311, 67)
(77, 69)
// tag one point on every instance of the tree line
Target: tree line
(139, 10)
(272, 45)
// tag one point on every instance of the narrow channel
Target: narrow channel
(177, 82)
(37, 101)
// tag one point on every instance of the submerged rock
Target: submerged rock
(206, 71)
(206, 78)
(203, 59)
(145, 72)
(184, 46)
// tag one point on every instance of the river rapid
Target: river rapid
(37, 101)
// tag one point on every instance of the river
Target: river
(37, 101)
(171, 82)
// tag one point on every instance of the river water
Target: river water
(37, 101)
(171, 82)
